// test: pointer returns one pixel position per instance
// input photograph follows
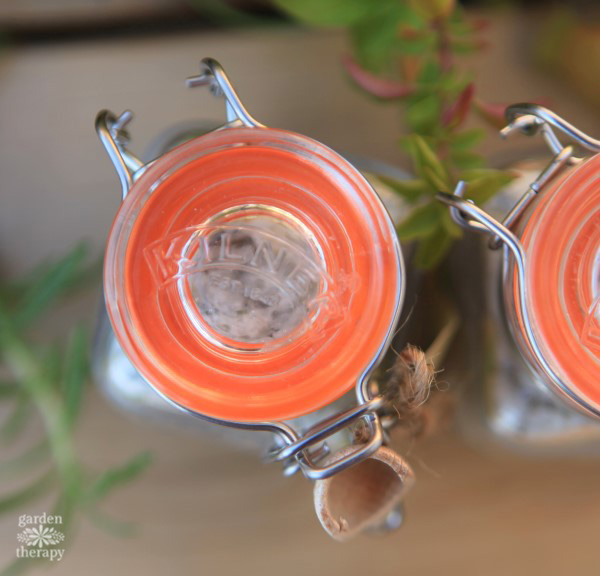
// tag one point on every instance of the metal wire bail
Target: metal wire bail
(530, 119)
(297, 450)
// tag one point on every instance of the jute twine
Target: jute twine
(407, 386)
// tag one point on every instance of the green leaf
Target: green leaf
(53, 281)
(410, 190)
(75, 374)
(452, 82)
(421, 222)
(458, 25)
(112, 526)
(329, 13)
(24, 462)
(424, 157)
(19, 566)
(430, 73)
(114, 477)
(437, 183)
(8, 389)
(16, 421)
(414, 41)
(484, 183)
(463, 141)
(466, 160)
(450, 226)
(433, 248)
(375, 37)
(51, 364)
(423, 113)
(17, 500)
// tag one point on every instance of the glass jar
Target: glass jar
(237, 275)
(544, 393)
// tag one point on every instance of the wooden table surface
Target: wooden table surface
(204, 507)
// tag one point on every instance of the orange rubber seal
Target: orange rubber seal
(562, 242)
(189, 245)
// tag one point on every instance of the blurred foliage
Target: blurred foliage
(50, 379)
(567, 45)
(405, 52)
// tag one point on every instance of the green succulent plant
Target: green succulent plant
(406, 52)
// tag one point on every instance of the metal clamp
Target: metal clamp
(297, 450)
(112, 134)
(529, 119)
(307, 461)
(213, 76)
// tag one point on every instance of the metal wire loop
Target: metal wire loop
(459, 217)
(307, 460)
(114, 138)
(213, 76)
(111, 129)
(531, 117)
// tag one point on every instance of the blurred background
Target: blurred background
(184, 501)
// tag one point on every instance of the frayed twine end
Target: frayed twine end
(407, 388)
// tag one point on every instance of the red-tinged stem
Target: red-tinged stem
(375, 85)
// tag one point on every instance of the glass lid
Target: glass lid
(253, 274)
(562, 240)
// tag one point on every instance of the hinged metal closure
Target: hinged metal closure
(530, 119)
(297, 449)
